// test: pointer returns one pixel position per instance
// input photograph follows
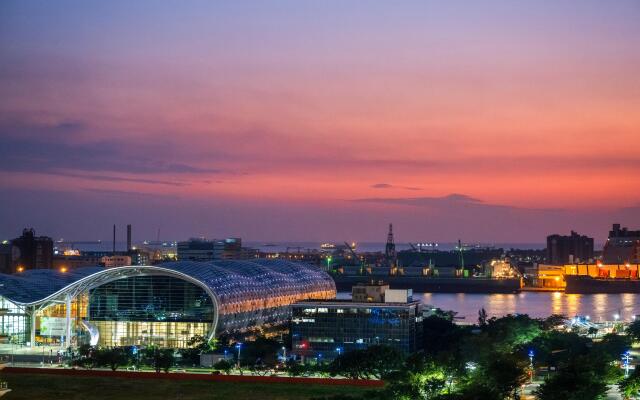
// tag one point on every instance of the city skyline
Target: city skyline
(492, 122)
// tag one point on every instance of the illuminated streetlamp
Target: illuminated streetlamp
(531, 354)
(239, 347)
(626, 357)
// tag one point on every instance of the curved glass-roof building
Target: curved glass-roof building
(163, 305)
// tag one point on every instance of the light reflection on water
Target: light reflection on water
(600, 307)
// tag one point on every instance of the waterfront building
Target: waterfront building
(200, 249)
(328, 327)
(140, 256)
(622, 246)
(369, 292)
(554, 276)
(574, 248)
(162, 305)
(195, 249)
(67, 261)
(31, 252)
(227, 249)
(115, 261)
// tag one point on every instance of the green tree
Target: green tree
(440, 334)
(374, 362)
(496, 377)
(261, 351)
(352, 364)
(630, 386)
(584, 377)
(554, 347)
(294, 368)
(612, 346)
(510, 331)
(159, 359)
(113, 358)
(224, 366)
(384, 360)
(196, 345)
(554, 321)
(422, 378)
(633, 330)
(86, 357)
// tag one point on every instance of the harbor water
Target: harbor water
(599, 307)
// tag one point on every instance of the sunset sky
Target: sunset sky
(492, 121)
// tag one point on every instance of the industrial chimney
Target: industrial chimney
(129, 237)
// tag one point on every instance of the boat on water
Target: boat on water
(328, 246)
(430, 284)
(585, 284)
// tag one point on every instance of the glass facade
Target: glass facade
(161, 310)
(14, 323)
(150, 298)
(161, 334)
(164, 305)
(51, 321)
(327, 328)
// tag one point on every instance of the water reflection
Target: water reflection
(556, 303)
(600, 307)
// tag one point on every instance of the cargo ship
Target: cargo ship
(432, 271)
(585, 284)
(430, 284)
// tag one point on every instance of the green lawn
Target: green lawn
(33, 386)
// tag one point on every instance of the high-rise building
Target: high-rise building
(200, 249)
(376, 315)
(622, 246)
(195, 249)
(129, 237)
(116, 261)
(31, 252)
(228, 249)
(5, 257)
(570, 249)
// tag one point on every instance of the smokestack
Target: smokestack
(114, 238)
(129, 237)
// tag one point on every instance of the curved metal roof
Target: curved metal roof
(34, 285)
(231, 282)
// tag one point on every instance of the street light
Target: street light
(284, 353)
(339, 350)
(531, 354)
(626, 357)
(239, 347)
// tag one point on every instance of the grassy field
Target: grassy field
(33, 386)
